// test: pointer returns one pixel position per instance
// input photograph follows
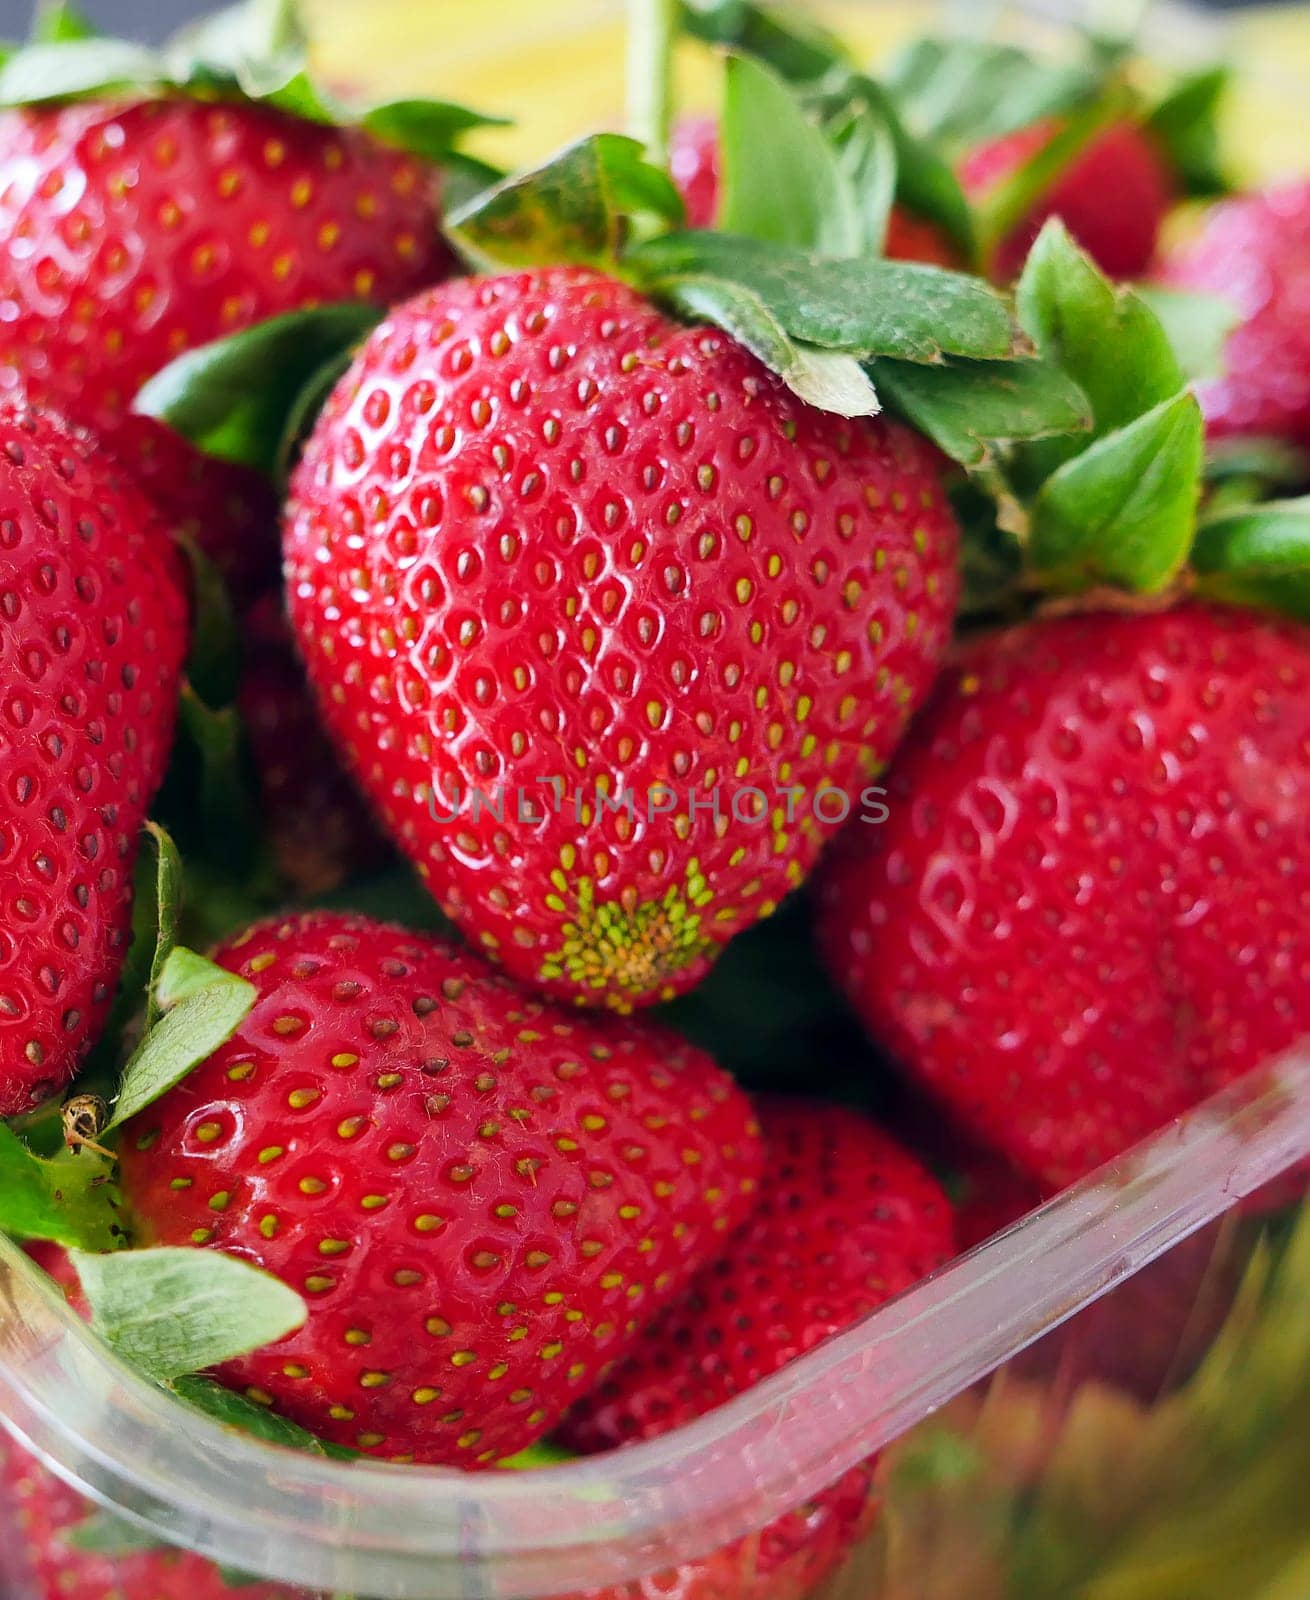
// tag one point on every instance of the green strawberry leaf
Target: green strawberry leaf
(1124, 510)
(55, 22)
(172, 1312)
(865, 150)
(863, 308)
(782, 181)
(303, 413)
(578, 207)
(968, 408)
(1197, 326)
(235, 1410)
(925, 183)
(542, 1454)
(1258, 555)
(214, 660)
(1104, 337)
(168, 915)
(104, 1534)
(200, 1006)
(795, 47)
(223, 804)
(68, 1198)
(231, 398)
(963, 91)
(824, 378)
(1270, 461)
(39, 73)
(1185, 123)
(257, 49)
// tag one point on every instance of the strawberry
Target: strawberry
(1255, 252)
(1088, 908)
(1112, 197)
(318, 826)
(93, 624)
(133, 230)
(846, 1220)
(482, 1199)
(570, 578)
(38, 1512)
(694, 164)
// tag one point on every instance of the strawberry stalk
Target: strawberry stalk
(652, 31)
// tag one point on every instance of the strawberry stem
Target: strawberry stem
(652, 29)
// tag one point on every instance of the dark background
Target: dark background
(152, 19)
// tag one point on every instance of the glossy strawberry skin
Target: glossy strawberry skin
(482, 1199)
(1090, 906)
(544, 541)
(93, 626)
(132, 231)
(1112, 197)
(694, 165)
(313, 816)
(1255, 252)
(846, 1220)
(37, 1513)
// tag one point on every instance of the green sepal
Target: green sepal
(781, 181)
(198, 1007)
(69, 1199)
(1257, 555)
(964, 91)
(1185, 123)
(167, 916)
(824, 378)
(863, 308)
(542, 1454)
(235, 1410)
(104, 1534)
(231, 398)
(1197, 326)
(56, 22)
(970, 409)
(214, 659)
(794, 46)
(171, 1312)
(1123, 512)
(580, 206)
(256, 51)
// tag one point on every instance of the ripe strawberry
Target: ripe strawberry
(93, 623)
(38, 1512)
(846, 1220)
(548, 548)
(312, 814)
(1112, 197)
(482, 1199)
(694, 165)
(1089, 907)
(1255, 251)
(130, 232)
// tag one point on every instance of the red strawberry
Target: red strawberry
(1255, 251)
(482, 1198)
(37, 1562)
(846, 1220)
(694, 165)
(130, 232)
(545, 541)
(1090, 906)
(313, 815)
(1112, 197)
(93, 623)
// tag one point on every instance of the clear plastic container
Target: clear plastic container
(409, 1534)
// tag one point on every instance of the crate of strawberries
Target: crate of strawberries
(654, 818)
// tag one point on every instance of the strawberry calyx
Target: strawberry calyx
(1115, 518)
(253, 51)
